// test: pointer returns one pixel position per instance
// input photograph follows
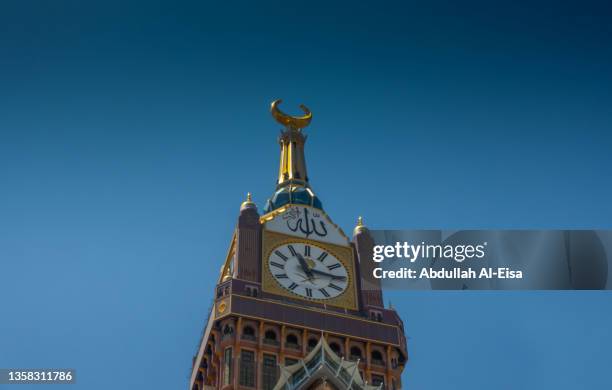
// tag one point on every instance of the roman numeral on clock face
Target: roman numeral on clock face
(308, 292)
(292, 286)
(280, 254)
(333, 266)
(324, 292)
(307, 250)
(281, 276)
(292, 250)
(277, 265)
(322, 256)
(331, 285)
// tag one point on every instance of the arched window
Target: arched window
(355, 353)
(251, 291)
(376, 316)
(378, 380)
(377, 358)
(291, 341)
(270, 337)
(401, 359)
(227, 331)
(312, 342)
(248, 333)
(336, 348)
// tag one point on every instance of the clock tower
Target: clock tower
(292, 309)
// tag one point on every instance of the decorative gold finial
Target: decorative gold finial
(292, 170)
(294, 123)
(226, 273)
(360, 226)
(248, 203)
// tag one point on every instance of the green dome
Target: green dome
(292, 195)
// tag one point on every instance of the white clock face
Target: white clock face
(308, 271)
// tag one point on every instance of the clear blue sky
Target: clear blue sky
(131, 131)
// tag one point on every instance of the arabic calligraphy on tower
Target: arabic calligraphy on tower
(306, 222)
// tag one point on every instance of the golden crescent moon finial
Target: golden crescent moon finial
(292, 122)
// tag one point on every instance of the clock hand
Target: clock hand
(304, 265)
(305, 278)
(316, 271)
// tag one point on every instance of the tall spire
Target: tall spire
(292, 186)
(292, 168)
